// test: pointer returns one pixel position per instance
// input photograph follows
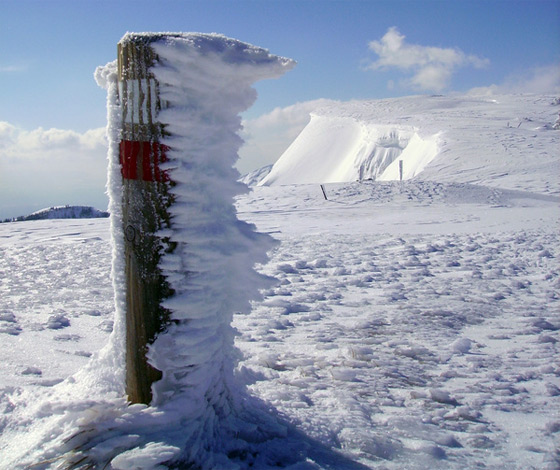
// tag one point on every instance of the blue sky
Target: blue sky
(351, 49)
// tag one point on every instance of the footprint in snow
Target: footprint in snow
(8, 324)
(67, 337)
(13, 330)
(32, 371)
(57, 322)
(106, 325)
(7, 317)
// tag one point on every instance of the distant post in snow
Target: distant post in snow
(145, 203)
(400, 170)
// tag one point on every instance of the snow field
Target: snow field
(422, 340)
(418, 350)
(400, 349)
(57, 299)
(413, 325)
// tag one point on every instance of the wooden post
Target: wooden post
(324, 192)
(146, 199)
(400, 170)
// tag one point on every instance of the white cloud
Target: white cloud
(543, 79)
(431, 67)
(268, 136)
(45, 167)
(7, 134)
(57, 143)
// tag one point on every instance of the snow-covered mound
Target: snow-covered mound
(63, 212)
(507, 141)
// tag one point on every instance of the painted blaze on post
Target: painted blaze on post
(146, 199)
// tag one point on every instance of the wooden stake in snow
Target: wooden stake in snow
(145, 203)
(400, 170)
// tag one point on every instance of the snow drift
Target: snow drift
(342, 148)
(503, 140)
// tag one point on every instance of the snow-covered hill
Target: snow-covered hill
(63, 212)
(506, 141)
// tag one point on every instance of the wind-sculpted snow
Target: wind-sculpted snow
(335, 149)
(415, 325)
(419, 351)
(56, 298)
(506, 141)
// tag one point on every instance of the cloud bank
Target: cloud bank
(46, 167)
(431, 67)
(539, 80)
(544, 79)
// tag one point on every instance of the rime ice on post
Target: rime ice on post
(171, 159)
(183, 263)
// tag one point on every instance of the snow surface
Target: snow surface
(508, 141)
(413, 325)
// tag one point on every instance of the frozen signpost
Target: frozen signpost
(183, 263)
(162, 393)
(179, 95)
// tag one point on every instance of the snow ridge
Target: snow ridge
(475, 139)
(62, 212)
(254, 177)
(341, 148)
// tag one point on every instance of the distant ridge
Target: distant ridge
(255, 177)
(62, 212)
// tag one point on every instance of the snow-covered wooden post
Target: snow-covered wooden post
(183, 263)
(145, 203)
(179, 99)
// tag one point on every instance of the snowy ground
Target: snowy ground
(415, 325)
(56, 299)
